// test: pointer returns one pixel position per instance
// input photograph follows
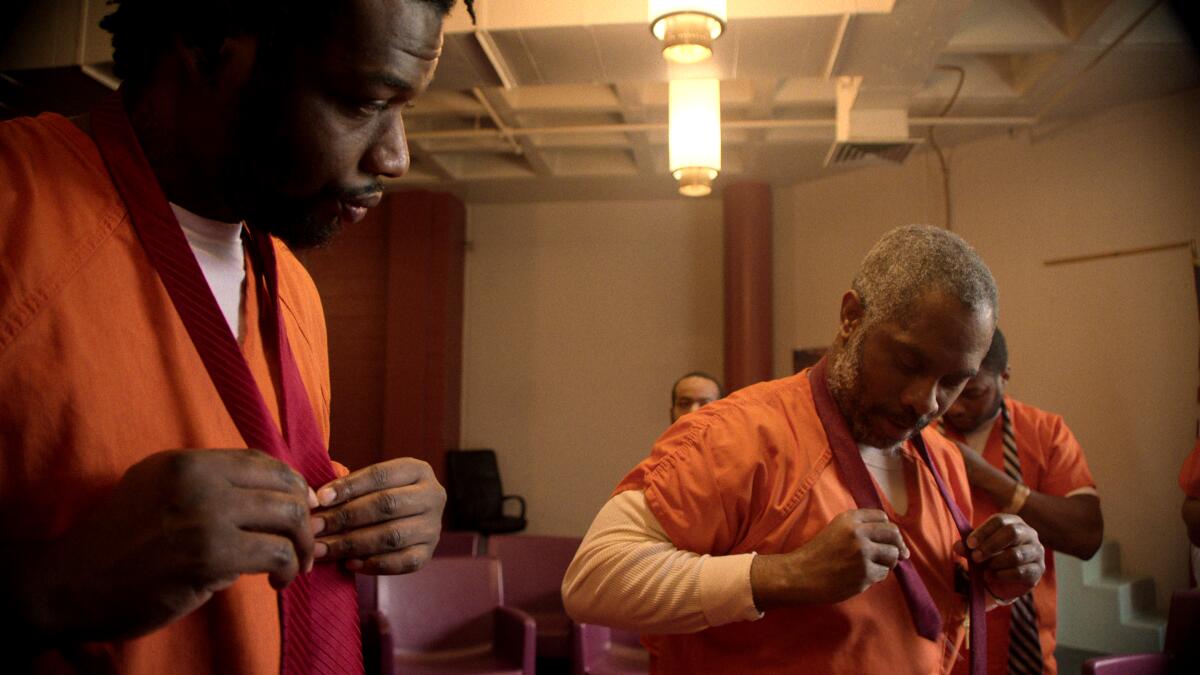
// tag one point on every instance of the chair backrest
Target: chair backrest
(595, 647)
(1183, 631)
(368, 592)
(1183, 623)
(453, 543)
(534, 567)
(473, 486)
(448, 605)
(1127, 664)
(627, 638)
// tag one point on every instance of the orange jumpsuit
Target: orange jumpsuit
(97, 373)
(754, 472)
(1189, 475)
(1052, 463)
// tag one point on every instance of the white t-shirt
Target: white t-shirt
(218, 249)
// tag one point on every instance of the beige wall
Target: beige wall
(1111, 345)
(579, 316)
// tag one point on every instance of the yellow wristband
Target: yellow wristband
(1020, 494)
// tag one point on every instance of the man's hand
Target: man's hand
(1012, 556)
(974, 462)
(855, 550)
(1191, 518)
(179, 526)
(384, 519)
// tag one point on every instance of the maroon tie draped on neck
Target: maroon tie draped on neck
(318, 611)
(848, 459)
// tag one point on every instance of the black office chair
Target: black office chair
(475, 497)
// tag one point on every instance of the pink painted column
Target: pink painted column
(748, 309)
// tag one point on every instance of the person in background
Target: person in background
(692, 392)
(815, 523)
(1189, 480)
(168, 500)
(1025, 461)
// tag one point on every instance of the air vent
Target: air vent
(868, 127)
(853, 151)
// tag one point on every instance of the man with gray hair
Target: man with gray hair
(812, 523)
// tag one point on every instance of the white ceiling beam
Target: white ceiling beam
(1071, 68)
(835, 50)
(506, 120)
(762, 107)
(431, 160)
(528, 14)
(633, 111)
(825, 123)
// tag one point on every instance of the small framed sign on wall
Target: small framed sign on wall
(806, 358)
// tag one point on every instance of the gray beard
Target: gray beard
(844, 377)
(845, 385)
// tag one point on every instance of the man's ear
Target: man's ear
(1007, 371)
(851, 315)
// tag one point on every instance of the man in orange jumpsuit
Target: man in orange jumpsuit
(1025, 461)
(143, 532)
(809, 524)
(1189, 480)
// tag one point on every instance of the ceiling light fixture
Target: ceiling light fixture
(687, 28)
(694, 134)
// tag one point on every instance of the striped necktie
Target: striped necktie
(857, 478)
(318, 611)
(1024, 646)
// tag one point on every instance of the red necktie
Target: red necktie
(318, 611)
(858, 480)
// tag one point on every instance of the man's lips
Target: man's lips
(355, 209)
(900, 429)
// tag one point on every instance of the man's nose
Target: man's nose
(388, 155)
(921, 397)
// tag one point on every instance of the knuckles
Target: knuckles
(387, 504)
(401, 564)
(337, 520)
(378, 476)
(393, 539)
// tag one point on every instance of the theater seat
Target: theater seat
(600, 650)
(534, 567)
(449, 617)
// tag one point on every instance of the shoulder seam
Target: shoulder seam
(28, 307)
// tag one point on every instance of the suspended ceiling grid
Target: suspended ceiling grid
(544, 99)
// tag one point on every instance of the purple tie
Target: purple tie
(858, 480)
(318, 611)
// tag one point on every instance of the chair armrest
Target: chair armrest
(515, 637)
(589, 640)
(378, 649)
(519, 499)
(1128, 664)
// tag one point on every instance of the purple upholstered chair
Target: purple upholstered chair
(600, 650)
(1181, 649)
(457, 544)
(1127, 664)
(448, 617)
(534, 567)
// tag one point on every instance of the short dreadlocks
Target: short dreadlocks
(143, 30)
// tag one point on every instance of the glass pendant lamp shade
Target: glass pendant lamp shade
(694, 134)
(687, 28)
